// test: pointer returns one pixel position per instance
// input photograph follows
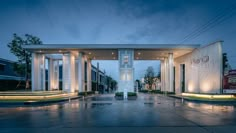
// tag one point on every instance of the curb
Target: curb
(204, 101)
(23, 103)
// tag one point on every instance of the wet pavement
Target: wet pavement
(102, 113)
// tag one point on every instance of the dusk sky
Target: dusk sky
(119, 22)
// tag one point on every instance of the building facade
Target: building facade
(184, 68)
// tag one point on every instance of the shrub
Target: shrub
(132, 94)
(121, 94)
(84, 93)
(144, 91)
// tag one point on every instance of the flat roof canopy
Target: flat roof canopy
(110, 51)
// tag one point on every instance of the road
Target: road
(102, 113)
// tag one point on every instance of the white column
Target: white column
(162, 75)
(34, 72)
(50, 74)
(89, 81)
(68, 72)
(166, 75)
(171, 72)
(126, 71)
(38, 72)
(81, 72)
(53, 74)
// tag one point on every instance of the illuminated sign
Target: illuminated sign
(126, 59)
(203, 59)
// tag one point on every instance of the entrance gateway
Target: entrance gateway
(187, 68)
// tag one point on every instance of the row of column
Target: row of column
(75, 67)
(167, 73)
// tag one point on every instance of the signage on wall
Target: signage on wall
(230, 82)
(126, 59)
(203, 59)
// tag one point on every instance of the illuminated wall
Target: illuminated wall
(38, 72)
(68, 72)
(126, 70)
(203, 69)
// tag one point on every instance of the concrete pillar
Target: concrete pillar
(166, 85)
(68, 72)
(38, 72)
(53, 74)
(171, 72)
(126, 71)
(162, 75)
(81, 72)
(89, 81)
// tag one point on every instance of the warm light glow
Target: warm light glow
(190, 86)
(90, 53)
(206, 86)
(139, 53)
(42, 96)
(112, 53)
(210, 96)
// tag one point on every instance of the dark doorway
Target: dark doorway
(182, 77)
(174, 79)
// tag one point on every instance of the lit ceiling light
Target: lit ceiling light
(89, 53)
(112, 53)
(40, 51)
(139, 53)
(60, 51)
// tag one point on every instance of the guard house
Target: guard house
(184, 68)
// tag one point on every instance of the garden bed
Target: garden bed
(131, 96)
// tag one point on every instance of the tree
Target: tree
(139, 84)
(149, 77)
(113, 84)
(24, 57)
(225, 62)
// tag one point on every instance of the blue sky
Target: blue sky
(120, 21)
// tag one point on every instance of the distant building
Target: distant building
(9, 79)
(7, 70)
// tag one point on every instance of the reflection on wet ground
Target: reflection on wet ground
(104, 111)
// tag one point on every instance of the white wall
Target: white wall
(126, 70)
(203, 69)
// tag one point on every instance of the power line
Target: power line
(219, 18)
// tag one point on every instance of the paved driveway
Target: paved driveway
(102, 113)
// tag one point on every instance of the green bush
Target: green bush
(156, 92)
(121, 94)
(144, 91)
(132, 94)
(86, 93)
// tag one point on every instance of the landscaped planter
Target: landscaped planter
(131, 96)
